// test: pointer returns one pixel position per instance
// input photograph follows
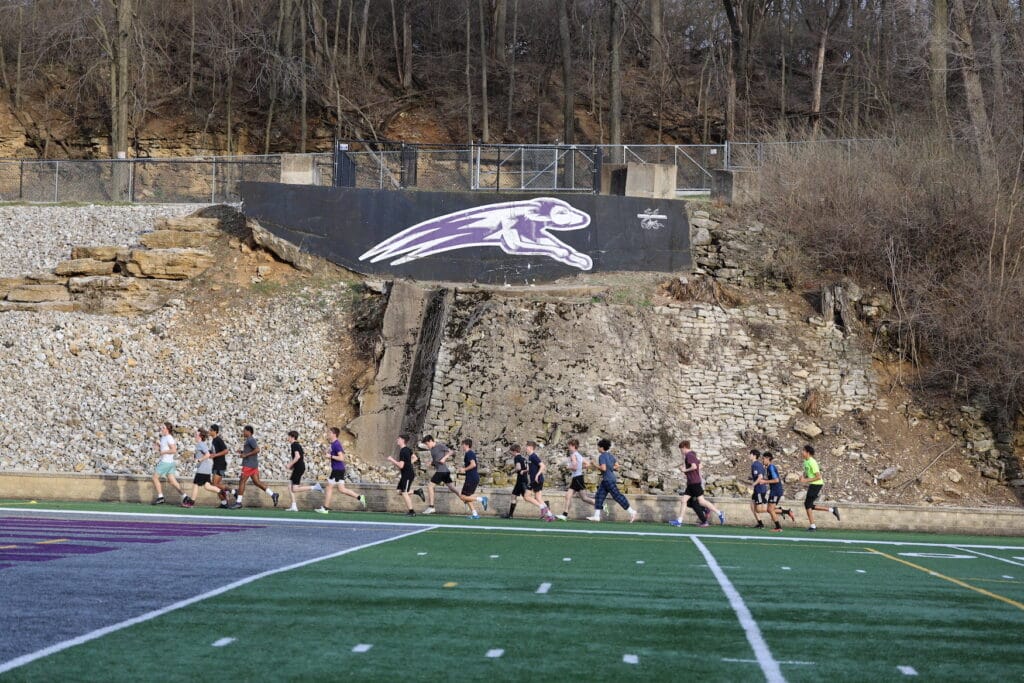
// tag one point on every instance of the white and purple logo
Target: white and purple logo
(519, 228)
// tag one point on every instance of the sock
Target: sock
(238, 499)
(832, 510)
(631, 511)
(269, 492)
(777, 525)
(511, 509)
(597, 514)
(813, 526)
(544, 509)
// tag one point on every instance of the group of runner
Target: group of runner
(529, 468)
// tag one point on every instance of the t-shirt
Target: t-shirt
(296, 449)
(166, 444)
(220, 462)
(577, 469)
(757, 470)
(608, 460)
(812, 471)
(773, 473)
(405, 457)
(436, 453)
(693, 476)
(472, 475)
(337, 449)
(519, 463)
(249, 457)
(535, 474)
(204, 466)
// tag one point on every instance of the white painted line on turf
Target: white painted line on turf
(785, 569)
(907, 670)
(861, 571)
(630, 659)
(362, 647)
(1007, 576)
(221, 642)
(494, 557)
(993, 557)
(148, 616)
(495, 653)
(566, 559)
(543, 588)
(769, 667)
(639, 561)
(939, 556)
(421, 554)
(754, 661)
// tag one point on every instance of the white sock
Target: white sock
(597, 513)
(269, 492)
(238, 499)
(631, 511)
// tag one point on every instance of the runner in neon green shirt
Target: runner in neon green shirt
(812, 477)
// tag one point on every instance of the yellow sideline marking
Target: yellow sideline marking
(7, 547)
(52, 540)
(958, 582)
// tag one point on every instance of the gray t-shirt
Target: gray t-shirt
(608, 460)
(249, 457)
(436, 453)
(204, 466)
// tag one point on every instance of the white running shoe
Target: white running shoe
(633, 514)
(317, 487)
(564, 518)
(292, 508)
(429, 511)
(322, 510)
(593, 518)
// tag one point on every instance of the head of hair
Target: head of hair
(756, 453)
(809, 449)
(404, 438)
(215, 428)
(767, 455)
(531, 444)
(684, 444)
(467, 442)
(574, 443)
(294, 434)
(249, 429)
(335, 431)
(428, 438)
(604, 444)
(170, 427)
(203, 433)
(515, 448)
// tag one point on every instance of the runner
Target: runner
(471, 472)
(204, 469)
(439, 454)
(759, 499)
(535, 487)
(775, 491)
(250, 452)
(607, 463)
(297, 467)
(576, 485)
(168, 449)
(219, 450)
(521, 469)
(694, 486)
(406, 471)
(812, 477)
(336, 452)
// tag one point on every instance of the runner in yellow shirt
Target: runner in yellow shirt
(812, 477)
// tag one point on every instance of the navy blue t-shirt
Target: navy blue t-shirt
(473, 474)
(535, 469)
(519, 462)
(757, 470)
(773, 473)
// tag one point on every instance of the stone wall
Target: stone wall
(513, 369)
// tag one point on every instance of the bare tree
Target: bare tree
(568, 87)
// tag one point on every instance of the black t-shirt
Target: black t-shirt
(405, 456)
(520, 465)
(473, 474)
(220, 462)
(297, 450)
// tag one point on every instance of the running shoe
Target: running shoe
(473, 516)
(812, 528)
(721, 517)
(317, 487)
(483, 501)
(675, 522)
(759, 525)
(564, 518)
(703, 525)
(223, 506)
(835, 511)
(222, 494)
(593, 518)
(429, 511)
(633, 514)
(292, 508)
(777, 531)
(235, 506)
(362, 500)
(506, 516)
(792, 517)
(322, 510)
(419, 492)
(159, 500)
(410, 513)
(274, 497)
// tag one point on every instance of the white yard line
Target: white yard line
(221, 642)
(968, 549)
(495, 653)
(362, 647)
(769, 667)
(142, 618)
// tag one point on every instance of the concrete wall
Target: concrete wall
(297, 169)
(44, 487)
(735, 187)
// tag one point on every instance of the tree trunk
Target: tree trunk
(568, 87)
(348, 33)
(17, 63)
(485, 128)
(396, 49)
(816, 79)
(512, 67)
(498, 42)
(192, 51)
(615, 76)
(364, 28)
(974, 91)
(734, 69)
(657, 38)
(304, 65)
(124, 33)
(406, 46)
(938, 52)
(469, 71)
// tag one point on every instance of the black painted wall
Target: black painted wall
(348, 226)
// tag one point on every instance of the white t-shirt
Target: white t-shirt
(166, 444)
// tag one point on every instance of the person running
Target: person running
(607, 463)
(521, 469)
(219, 451)
(576, 485)
(535, 487)
(439, 454)
(812, 477)
(694, 486)
(471, 474)
(168, 449)
(406, 471)
(759, 499)
(297, 467)
(250, 452)
(774, 481)
(336, 452)
(204, 469)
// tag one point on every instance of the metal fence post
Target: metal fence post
(213, 183)
(597, 170)
(56, 177)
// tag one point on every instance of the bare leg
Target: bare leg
(159, 488)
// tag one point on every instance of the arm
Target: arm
(295, 459)
(471, 466)
(220, 453)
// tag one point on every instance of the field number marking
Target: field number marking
(495, 653)
(907, 670)
(221, 642)
(543, 588)
(362, 647)
(630, 659)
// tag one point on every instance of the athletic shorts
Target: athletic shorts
(520, 487)
(694, 490)
(250, 471)
(220, 464)
(337, 475)
(405, 483)
(165, 469)
(537, 486)
(469, 486)
(759, 497)
(296, 475)
(441, 478)
(577, 484)
(201, 479)
(813, 491)
(220, 472)
(774, 498)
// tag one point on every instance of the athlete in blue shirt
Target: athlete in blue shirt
(774, 481)
(759, 499)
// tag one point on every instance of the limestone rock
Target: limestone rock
(115, 295)
(84, 266)
(38, 293)
(101, 253)
(805, 426)
(176, 239)
(953, 476)
(9, 283)
(281, 248)
(888, 473)
(57, 306)
(168, 264)
(187, 224)
(701, 237)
